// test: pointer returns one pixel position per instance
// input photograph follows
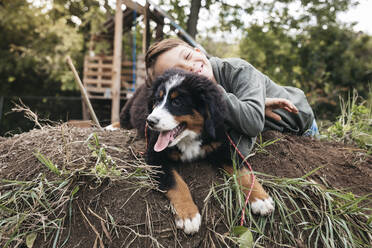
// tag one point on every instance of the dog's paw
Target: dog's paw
(263, 206)
(189, 225)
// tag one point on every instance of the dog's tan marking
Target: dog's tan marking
(211, 147)
(161, 94)
(195, 122)
(245, 180)
(174, 94)
(175, 156)
(181, 199)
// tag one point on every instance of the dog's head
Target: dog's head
(184, 106)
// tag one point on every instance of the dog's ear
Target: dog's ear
(213, 112)
(209, 123)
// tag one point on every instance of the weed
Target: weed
(46, 161)
(354, 125)
(105, 165)
(261, 145)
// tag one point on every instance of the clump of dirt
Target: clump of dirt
(128, 211)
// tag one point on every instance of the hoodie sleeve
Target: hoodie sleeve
(243, 89)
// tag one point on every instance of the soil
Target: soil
(143, 215)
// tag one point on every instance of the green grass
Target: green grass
(104, 165)
(40, 208)
(306, 214)
(354, 125)
(32, 208)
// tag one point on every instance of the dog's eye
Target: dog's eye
(176, 102)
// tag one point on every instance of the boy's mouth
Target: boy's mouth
(200, 69)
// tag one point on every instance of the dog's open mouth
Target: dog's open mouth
(166, 137)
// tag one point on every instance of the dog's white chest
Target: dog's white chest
(190, 149)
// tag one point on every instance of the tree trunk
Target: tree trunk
(193, 17)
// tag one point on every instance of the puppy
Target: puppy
(186, 123)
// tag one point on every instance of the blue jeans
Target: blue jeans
(313, 130)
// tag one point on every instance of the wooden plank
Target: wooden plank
(93, 81)
(91, 66)
(97, 66)
(115, 91)
(135, 6)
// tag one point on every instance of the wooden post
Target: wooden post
(83, 91)
(116, 78)
(146, 31)
(84, 109)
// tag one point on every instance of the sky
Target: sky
(362, 14)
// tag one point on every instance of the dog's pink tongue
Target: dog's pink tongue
(163, 141)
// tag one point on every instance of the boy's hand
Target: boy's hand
(275, 103)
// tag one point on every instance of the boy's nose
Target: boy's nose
(191, 68)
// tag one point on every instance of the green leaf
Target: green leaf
(245, 236)
(246, 240)
(75, 190)
(30, 239)
(239, 230)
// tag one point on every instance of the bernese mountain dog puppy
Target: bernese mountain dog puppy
(186, 123)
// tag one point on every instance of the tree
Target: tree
(192, 21)
(32, 48)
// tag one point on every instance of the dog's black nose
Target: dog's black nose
(152, 121)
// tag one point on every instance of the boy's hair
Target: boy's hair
(156, 50)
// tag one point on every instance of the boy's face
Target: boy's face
(185, 58)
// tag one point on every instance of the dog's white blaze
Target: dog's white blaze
(166, 119)
(173, 82)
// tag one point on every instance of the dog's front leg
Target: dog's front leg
(188, 217)
(261, 202)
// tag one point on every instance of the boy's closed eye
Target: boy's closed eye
(188, 55)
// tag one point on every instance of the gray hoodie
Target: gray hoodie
(245, 90)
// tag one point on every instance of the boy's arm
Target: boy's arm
(246, 100)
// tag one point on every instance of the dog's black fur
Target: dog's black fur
(135, 111)
(199, 94)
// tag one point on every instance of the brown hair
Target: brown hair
(156, 50)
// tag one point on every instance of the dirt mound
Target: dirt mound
(340, 166)
(127, 210)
